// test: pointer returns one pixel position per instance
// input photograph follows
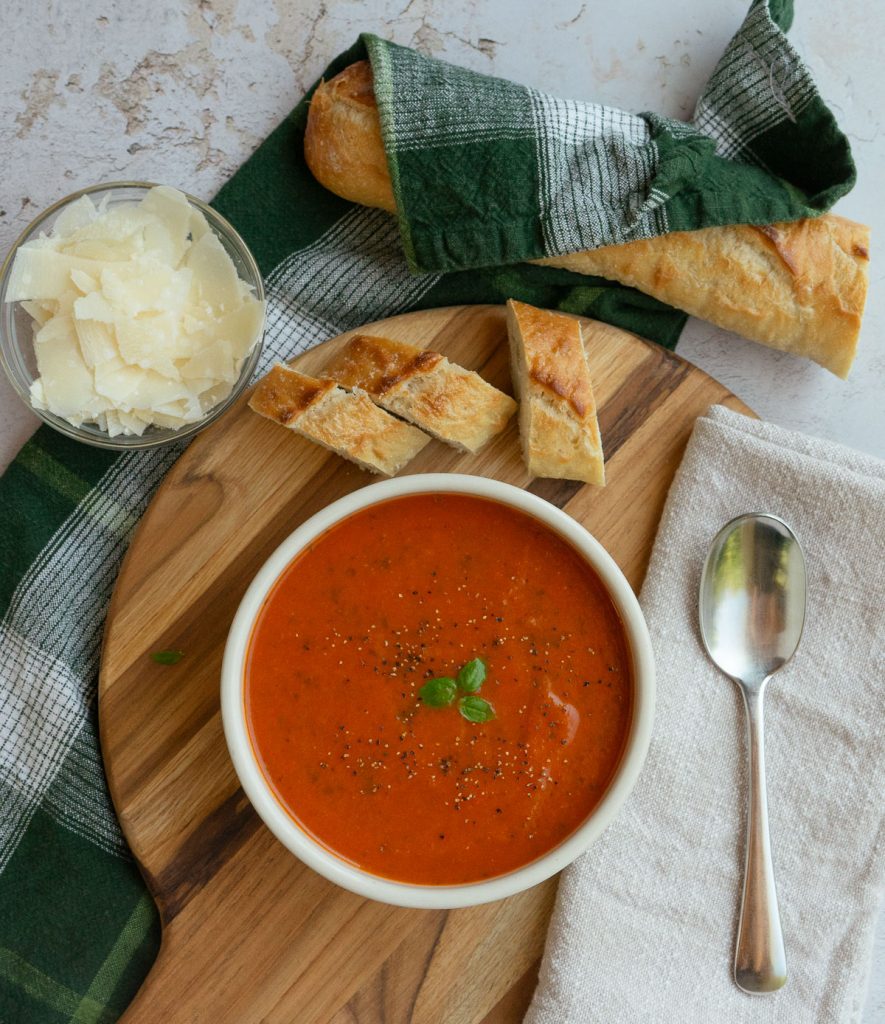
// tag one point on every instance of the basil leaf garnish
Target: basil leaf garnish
(472, 676)
(439, 693)
(475, 709)
(167, 657)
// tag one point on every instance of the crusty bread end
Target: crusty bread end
(342, 142)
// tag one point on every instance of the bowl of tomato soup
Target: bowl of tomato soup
(438, 691)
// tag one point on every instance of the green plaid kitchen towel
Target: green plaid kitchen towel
(487, 172)
(78, 930)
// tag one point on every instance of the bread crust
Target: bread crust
(799, 287)
(342, 142)
(451, 403)
(285, 395)
(347, 423)
(379, 365)
(557, 411)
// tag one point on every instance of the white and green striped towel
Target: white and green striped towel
(488, 172)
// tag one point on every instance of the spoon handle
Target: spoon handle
(760, 962)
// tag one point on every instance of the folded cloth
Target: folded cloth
(486, 171)
(645, 922)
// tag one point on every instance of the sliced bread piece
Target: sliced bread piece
(347, 423)
(557, 412)
(449, 402)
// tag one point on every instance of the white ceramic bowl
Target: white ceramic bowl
(439, 896)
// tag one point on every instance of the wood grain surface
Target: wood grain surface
(249, 933)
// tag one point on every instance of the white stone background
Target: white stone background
(182, 93)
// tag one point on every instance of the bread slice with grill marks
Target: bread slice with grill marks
(451, 403)
(347, 423)
(557, 411)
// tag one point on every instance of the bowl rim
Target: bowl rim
(126, 442)
(324, 861)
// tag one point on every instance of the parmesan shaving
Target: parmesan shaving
(140, 317)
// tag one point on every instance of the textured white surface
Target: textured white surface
(183, 92)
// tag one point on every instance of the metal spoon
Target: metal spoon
(752, 608)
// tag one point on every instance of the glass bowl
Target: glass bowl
(16, 334)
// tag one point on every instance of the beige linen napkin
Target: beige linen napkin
(645, 922)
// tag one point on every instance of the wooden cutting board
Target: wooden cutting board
(249, 933)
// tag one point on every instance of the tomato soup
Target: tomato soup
(413, 590)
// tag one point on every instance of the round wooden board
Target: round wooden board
(249, 933)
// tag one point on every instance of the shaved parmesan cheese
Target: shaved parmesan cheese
(131, 387)
(119, 224)
(102, 251)
(187, 409)
(145, 285)
(216, 362)
(38, 395)
(94, 306)
(84, 281)
(43, 273)
(215, 276)
(68, 388)
(141, 319)
(238, 328)
(64, 304)
(75, 216)
(151, 342)
(38, 312)
(209, 399)
(169, 234)
(97, 340)
(114, 427)
(198, 224)
(132, 423)
(200, 385)
(44, 242)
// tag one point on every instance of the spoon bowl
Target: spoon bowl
(752, 610)
(752, 603)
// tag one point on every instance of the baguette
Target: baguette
(557, 411)
(349, 424)
(799, 287)
(451, 403)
